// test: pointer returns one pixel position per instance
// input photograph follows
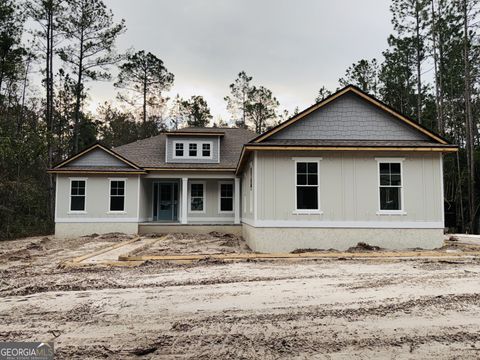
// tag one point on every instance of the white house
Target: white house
(345, 170)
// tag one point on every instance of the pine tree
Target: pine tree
(238, 100)
(261, 108)
(143, 77)
(410, 19)
(196, 111)
(92, 32)
(363, 74)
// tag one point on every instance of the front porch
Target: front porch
(189, 199)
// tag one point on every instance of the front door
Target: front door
(165, 196)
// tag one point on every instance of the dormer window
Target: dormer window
(179, 149)
(206, 150)
(192, 150)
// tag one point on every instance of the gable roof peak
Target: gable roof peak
(350, 88)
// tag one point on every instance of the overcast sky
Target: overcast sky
(293, 47)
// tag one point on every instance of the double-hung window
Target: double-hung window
(77, 195)
(117, 195)
(197, 197)
(226, 197)
(307, 186)
(390, 191)
(206, 150)
(192, 149)
(179, 149)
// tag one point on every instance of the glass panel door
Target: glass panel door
(165, 201)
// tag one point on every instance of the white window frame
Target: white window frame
(110, 211)
(204, 183)
(210, 149)
(186, 149)
(402, 199)
(175, 149)
(70, 211)
(307, 211)
(220, 211)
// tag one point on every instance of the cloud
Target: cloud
(291, 47)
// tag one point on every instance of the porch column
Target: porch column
(237, 200)
(184, 199)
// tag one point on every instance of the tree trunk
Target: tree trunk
(50, 109)
(468, 122)
(419, 80)
(435, 66)
(145, 102)
(78, 96)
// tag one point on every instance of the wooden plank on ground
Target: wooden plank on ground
(104, 250)
(312, 255)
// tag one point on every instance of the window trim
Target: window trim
(209, 149)
(220, 211)
(318, 210)
(186, 149)
(175, 149)
(70, 211)
(204, 183)
(110, 211)
(401, 211)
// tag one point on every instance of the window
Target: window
(390, 186)
(179, 149)
(117, 195)
(197, 197)
(307, 185)
(226, 197)
(192, 150)
(206, 150)
(77, 195)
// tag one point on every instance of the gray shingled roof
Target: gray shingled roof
(150, 153)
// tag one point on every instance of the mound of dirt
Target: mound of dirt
(307, 250)
(364, 247)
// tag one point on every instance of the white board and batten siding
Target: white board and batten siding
(348, 186)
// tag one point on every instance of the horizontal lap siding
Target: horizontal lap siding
(349, 187)
(98, 198)
(97, 157)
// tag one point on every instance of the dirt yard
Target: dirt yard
(334, 309)
(186, 244)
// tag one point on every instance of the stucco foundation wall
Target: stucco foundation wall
(71, 230)
(282, 240)
(189, 229)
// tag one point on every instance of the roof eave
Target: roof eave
(104, 172)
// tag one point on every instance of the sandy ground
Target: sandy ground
(333, 309)
(186, 244)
